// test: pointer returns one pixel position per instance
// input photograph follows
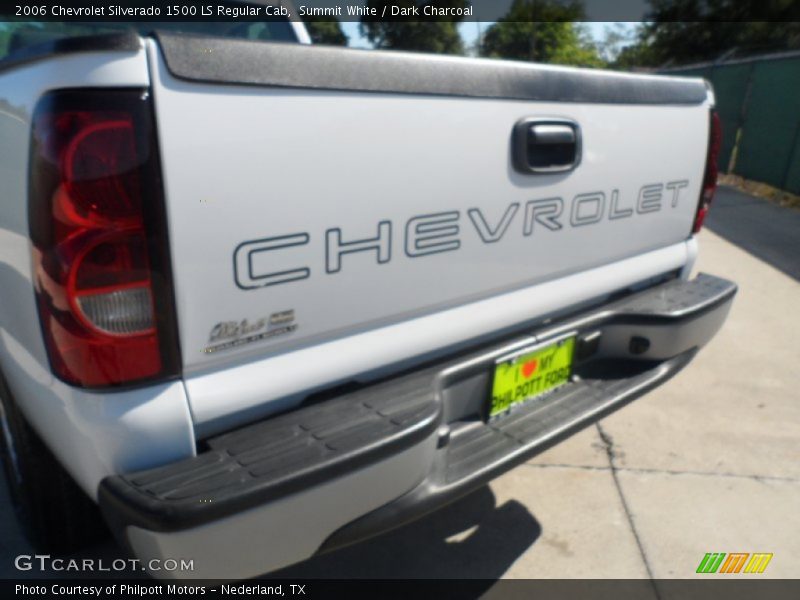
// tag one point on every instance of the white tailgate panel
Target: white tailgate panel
(251, 163)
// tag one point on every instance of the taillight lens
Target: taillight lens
(101, 269)
(711, 173)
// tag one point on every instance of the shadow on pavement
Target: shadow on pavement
(767, 231)
(492, 538)
(13, 544)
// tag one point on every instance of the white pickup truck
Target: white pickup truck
(261, 300)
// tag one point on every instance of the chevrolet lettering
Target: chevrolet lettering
(263, 299)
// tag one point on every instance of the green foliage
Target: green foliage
(542, 31)
(325, 31)
(435, 35)
(24, 33)
(638, 54)
(5, 36)
(616, 37)
(686, 31)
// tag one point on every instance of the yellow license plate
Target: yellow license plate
(530, 375)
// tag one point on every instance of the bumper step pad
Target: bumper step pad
(268, 460)
(317, 443)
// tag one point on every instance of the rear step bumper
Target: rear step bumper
(333, 473)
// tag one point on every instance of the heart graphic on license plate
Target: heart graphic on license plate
(529, 368)
(529, 374)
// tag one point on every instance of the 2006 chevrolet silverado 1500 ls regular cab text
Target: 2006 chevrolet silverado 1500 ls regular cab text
(261, 299)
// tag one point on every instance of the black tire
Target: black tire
(56, 515)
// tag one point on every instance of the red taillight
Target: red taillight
(99, 239)
(710, 177)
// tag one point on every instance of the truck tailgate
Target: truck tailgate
(317, 202)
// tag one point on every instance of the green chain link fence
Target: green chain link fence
(758, 100)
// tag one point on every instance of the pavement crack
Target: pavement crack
(566, 466)
(758, 478)
(673, 472)
(608, 445)
(611, 453)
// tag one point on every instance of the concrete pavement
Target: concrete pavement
(709, 462)
(765, 230)
(706, 463)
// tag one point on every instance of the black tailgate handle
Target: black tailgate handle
(546, 145)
